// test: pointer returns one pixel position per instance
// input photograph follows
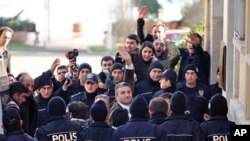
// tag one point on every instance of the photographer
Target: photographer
(70, 88)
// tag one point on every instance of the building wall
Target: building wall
(236, 36)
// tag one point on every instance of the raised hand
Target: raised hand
(142, 12)
(55, 63)
(125, 55)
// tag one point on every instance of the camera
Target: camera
(71, 55)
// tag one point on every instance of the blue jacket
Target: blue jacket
(201, 59)
(180, 128)
(97, 131)
(139, 130)
(197, 100)
(216, 128)
(19, 135)
(58, 128)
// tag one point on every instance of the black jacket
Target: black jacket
(59, 127)
(217, 127)
(138, 129)
(147, 85)
(179, 128)
(161, 91)
(73, 89)
(197, 100)
(97, 131)
(215, 89)
(201, 59)
(19, 135)
(42, 110)
(140, 32)
(158, 118)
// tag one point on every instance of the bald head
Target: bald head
(28, 81)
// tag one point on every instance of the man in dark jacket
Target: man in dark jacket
(158, 109)
(42, 100)
(167, 82)
(197, 94)
(91, 91)
(13, 125)
(138, 128)
(150, 84)
(58, 128)
(177, 126)
(218, 126)
(99, 129)
(194, 54)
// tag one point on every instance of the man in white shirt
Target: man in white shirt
(5, 37)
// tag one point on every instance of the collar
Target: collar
(124, 106)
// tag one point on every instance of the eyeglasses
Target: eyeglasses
(63, 72)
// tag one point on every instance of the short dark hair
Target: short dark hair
(61, 67)
(107, 58)
(17, 87)
(6, 28)
(192, 33)
(78, 109)
(166, 95)
(134, 37)
(158, 105)
(119, 117)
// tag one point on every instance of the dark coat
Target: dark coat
(138, 129)
(97, 131)
(180, 128)
(201, 59)
(29, 115)
(42, 110)
(58, 127)
(140, 32)
(215, 89)
(73, 89)
(161, 91)
(197, 100)
(147, 85)
(19, 135)
(158, 118)
(217, 127)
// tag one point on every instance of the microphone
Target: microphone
(68, 76)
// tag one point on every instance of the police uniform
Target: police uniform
(58, 128)
(217, 128)
(197, 100)
(177, 126)
(138, 128)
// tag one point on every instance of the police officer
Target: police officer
(217, 128)
(91, 91)
(58, 128)
(177, 126)
(13, 125)
(138, 128)
(197, 94)
(42, 100)
(99, 129)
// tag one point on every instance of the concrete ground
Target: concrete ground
(39, 60)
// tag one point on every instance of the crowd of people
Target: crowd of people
(137, 96)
